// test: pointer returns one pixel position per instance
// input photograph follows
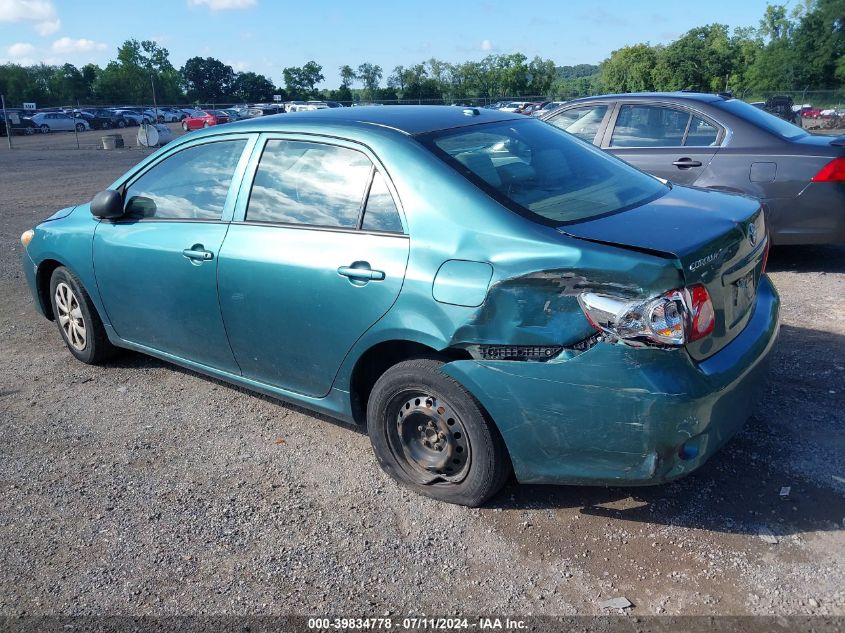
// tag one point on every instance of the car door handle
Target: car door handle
(198, 254)
(361, 273)
(686, 163)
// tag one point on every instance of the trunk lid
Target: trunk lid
(716, 239)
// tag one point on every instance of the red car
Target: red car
(208, 118)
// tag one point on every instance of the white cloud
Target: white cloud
(48, 27)
(82, 45)
(21, 50)
(238, 67)
(41, 13)
(21, 53)
(222, 5)
(486, 45)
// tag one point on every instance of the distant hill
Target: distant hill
(579, 70)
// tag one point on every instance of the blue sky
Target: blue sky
(267, 35)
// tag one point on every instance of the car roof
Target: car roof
(704, 97)
(409, 120)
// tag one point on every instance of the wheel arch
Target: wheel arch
(42, 285)
(380, 357)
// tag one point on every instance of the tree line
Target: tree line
(800, 49)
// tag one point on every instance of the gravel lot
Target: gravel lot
(141, 488)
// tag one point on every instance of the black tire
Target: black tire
(485, 467)
(105, 126)
(45, 129)
(184, 125)
(121, 123)
(97, 348)
(80, 127)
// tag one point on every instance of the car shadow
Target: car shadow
(802, 259)
(738, 489)
(128, 359)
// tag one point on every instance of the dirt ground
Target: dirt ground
(141, 488)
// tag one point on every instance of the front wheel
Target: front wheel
(185, 125)
(45, 129)
(121, 123)
(80, 127)
(431, 435)
(77, 319)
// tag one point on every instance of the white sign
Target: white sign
(29, 106)
(277, 97)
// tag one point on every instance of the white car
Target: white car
(513, 106)
(59, 121)
(290, 105)
(165, 115)
(308, 107)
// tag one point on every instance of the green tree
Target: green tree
(251, 87)
(369, 75)
(301, 81)
(541, 75)
(347, 77)
(207, 79)
(138, 67)
(630, 69)
(67, 85)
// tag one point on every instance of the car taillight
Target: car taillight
(674, 318)
(834, 171)
(702, 315)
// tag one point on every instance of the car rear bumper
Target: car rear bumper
(615, 415)
(815, 216)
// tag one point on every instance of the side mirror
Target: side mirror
(107, 205)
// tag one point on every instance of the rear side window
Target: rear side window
(191, 184)
(701, 133)
(582, 122)
(309, 183)
(761, 118)
(649, 126)
(541, 172)
(381, 214)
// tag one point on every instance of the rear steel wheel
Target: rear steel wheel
(430, 434)
(432, 438)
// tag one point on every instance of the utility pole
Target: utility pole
(155, 106)
(6, 120)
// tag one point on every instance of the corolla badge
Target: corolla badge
(698, 263)
(752, 233)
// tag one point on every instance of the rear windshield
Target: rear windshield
(542, 172)
(761, 118)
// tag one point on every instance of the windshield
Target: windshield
(542, 172)
(761, 118)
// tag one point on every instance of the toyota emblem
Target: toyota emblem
(752, 233)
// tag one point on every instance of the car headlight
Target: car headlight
(26, 237)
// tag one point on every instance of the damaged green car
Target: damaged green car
(486, 293)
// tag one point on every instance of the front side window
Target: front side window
(540, 171)
(190, 184)
(309, 183)
(582, 122)
(649, 126)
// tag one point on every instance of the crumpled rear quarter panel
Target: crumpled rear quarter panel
(616, 415)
